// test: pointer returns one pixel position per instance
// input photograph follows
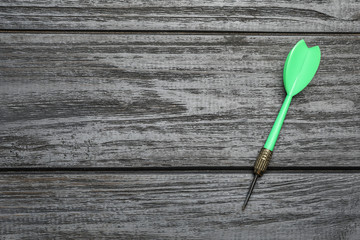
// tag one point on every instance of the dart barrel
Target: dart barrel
(262, 161)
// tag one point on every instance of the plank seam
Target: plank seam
(172, 32)
(198, 169)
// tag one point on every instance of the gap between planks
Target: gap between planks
(176, 32)
(178, 170)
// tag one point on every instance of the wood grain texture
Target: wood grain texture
(134, 100)
(183, 15)
(181, 206)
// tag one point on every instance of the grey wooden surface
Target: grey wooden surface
(184, 15)
(142, 120)
(180, 205)
(135, 100)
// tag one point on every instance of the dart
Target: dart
(300, 67)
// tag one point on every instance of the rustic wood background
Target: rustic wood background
(142, 119)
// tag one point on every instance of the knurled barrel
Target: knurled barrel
(262, 161)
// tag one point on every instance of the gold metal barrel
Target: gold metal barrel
(262, 161)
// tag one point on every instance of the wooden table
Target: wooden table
(142, 119)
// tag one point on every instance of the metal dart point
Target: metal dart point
(260, 167)
(250, 191)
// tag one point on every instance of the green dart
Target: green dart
(300, 67)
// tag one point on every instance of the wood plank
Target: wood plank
(183, 15)
(137, 100)
(190, 205)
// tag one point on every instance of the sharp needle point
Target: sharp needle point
(250, 191)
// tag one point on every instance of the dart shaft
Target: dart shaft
(263, 159)
(274, 133)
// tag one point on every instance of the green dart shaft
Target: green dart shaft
(265, 154)
(275, 131)
(300, 67)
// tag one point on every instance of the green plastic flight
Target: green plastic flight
(300, 67)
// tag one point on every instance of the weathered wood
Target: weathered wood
(183, 15)
(163, 206)
(135, 100)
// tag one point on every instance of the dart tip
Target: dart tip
(250, 191)
(245, 203)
